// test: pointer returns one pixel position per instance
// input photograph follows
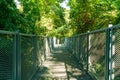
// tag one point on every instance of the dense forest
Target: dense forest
(49, 18)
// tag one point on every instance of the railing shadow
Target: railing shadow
(73, 68)
(72, 65)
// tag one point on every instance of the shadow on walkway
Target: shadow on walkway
(61, 65)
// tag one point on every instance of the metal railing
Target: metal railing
(20, 55)
(98, 52)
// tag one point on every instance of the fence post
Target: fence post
(107, 77)
(109, 53)
(78, 47)
(18, 56)
(14, 59)
(88, 47)
(35, 51)
(112, 53)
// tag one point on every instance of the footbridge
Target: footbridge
(89, 56)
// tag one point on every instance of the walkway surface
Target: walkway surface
(61, 65)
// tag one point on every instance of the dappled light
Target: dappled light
(60, 64)
(97, 54)
(59, 40)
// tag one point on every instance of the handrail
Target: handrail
(99, 30)
(6, 32)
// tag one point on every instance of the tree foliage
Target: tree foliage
(10, 17)
(31, 16)
(86, 15)
(47, 17)
(53, 17)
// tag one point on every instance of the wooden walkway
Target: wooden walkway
(60, 65)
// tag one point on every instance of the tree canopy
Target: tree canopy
(87, 15)
(49, 18)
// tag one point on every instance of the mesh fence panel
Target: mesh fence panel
(28, 56)
(97, 50)
(73, 46)
(97, 54)
(71, 43)
(77, 47)
(83, 50)
(31, 52)
(41, 50)
(6, 56)
(116, 56)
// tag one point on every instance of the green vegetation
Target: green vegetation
(48, 18)
(87, 15)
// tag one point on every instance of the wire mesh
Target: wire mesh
(116, 55)
(31, 53)
(28, 56)
(83, 50)
(77, 48)
(97, 54)
(41, 50)
(6, 56)
(70, 43)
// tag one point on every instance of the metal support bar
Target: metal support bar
(18, 57)
(112, 53)
(78, 48)
(14, 59)
(107, 54)
(35, 49)
(87, 51)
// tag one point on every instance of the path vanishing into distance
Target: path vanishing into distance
(61, 65)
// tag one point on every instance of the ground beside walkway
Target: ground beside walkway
(61, 65)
